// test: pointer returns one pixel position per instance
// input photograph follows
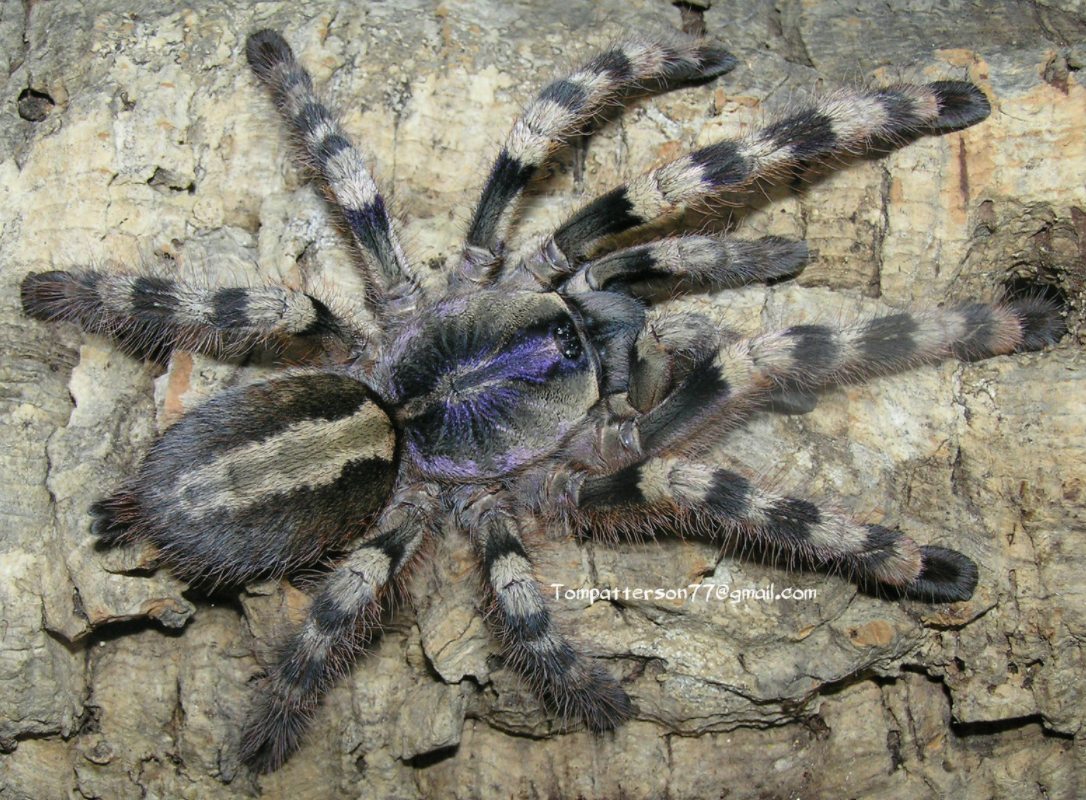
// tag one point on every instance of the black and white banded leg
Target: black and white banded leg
(819, 354)
(692, 383)
(152, 316)
(340, 622)
(563, 676)
(842, 123)
(686, 263)
(338, 163)
(563, 109)
(698, 498)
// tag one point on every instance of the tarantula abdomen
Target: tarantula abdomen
(261, 480)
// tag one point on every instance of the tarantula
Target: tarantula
(530, 390)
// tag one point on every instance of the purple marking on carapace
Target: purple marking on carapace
(453, 468)
(476, 404)
(533, 359)
(495, 404)
(449, 357)
(486, 390)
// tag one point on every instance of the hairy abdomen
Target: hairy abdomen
(261, 480)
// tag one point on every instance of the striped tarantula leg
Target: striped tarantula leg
(687, 379)
(697, 262)
(668, 350)
(844, 122)
(337, 162)
(691, 382)
(563, 109)
(810, 355)
(340, 622)
(566, 678)
(674, 491)
(152, 315)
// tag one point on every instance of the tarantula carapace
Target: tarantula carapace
(529, 390)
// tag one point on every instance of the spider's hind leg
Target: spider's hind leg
(566, 678)
(339, 623)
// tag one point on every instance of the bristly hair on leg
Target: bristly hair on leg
(535, 647)
(645, 63)
(392, 281)
(151, 316)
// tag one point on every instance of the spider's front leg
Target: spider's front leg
(565, 677)
(561, 111)
(689, 382)
(842, 123)
(340, 622)
(684, 263)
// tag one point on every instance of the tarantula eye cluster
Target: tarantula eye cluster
(568, 340)
(518, 391)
